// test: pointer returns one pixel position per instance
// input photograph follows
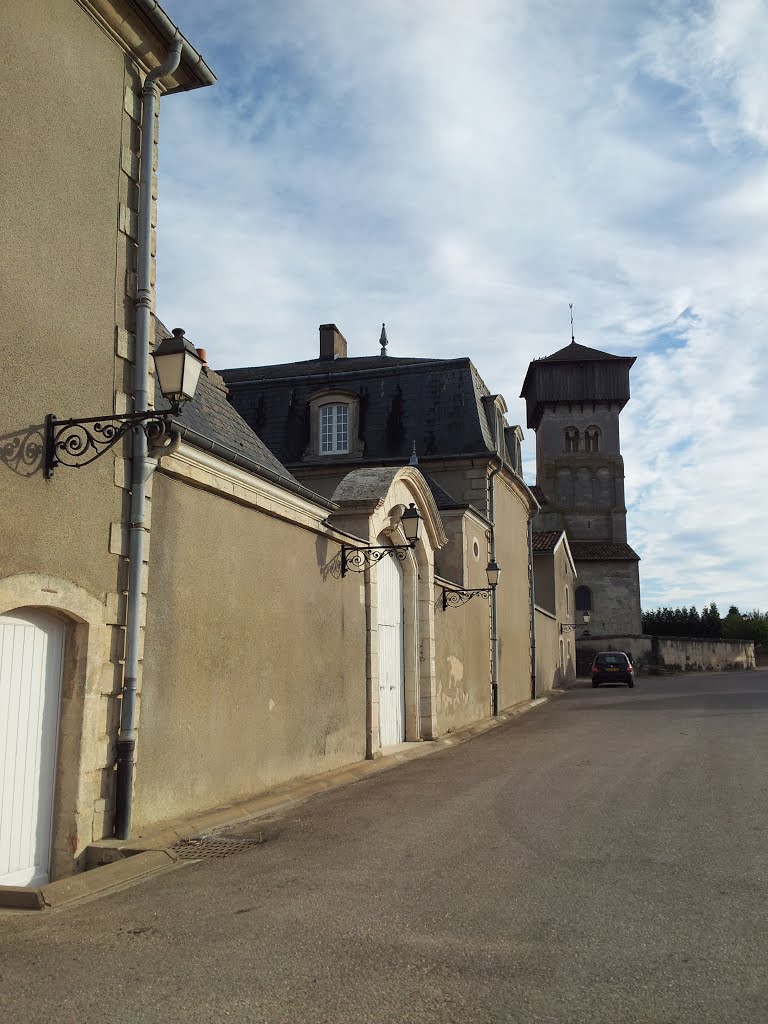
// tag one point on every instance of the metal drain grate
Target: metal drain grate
(208, 847)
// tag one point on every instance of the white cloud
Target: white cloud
(465, 171)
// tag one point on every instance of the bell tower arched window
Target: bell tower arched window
(592, 439)
(571, 439)
(583, 599)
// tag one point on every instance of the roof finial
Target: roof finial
(570, 306)
(383, 340)
(414, 459)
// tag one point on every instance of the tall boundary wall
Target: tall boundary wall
(660, 655)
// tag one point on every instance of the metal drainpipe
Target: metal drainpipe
(532, 593)
(141, 467)
(494, 618)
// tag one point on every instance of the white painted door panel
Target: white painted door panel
(31, 653)
(391, 674)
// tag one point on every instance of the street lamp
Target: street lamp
(79, 442)
(456, 598)
(567, 626)
(360, 559)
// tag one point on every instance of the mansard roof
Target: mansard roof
(438, 403)
(211, 423)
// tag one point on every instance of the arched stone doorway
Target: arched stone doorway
(31, 670)
(371, 503)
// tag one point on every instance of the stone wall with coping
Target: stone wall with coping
(660, 655)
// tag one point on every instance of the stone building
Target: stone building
(324, 417)
(73, 74)
(573, 400)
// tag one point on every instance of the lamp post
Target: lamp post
(456, 598)
(358, 559)
(76, 443)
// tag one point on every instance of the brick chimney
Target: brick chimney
(333, 344)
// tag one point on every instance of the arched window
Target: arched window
(592, 439)
(583, 599)
(571, 439)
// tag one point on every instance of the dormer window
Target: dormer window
(334, 417)
(334, 429)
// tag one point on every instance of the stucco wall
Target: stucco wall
(254, 667)
(60, 166)
(462, 660)
(548, 673)
(670, 654)
(68, 163)
(513, 599)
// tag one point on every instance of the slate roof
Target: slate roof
(443, 499)
(539, 495)
(602, 551)
(211, 416)
(435, 402)
(578, 353)
(323, 367)
(545, 540)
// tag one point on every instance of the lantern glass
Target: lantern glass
(586, 618)
(411, 522)
(492, 571)
(178, 368)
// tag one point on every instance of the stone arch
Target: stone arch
(583, 493)
(592, 439)
(371, 502)
(604, 487)
(564, 488)
(82, 759)
(571, 439)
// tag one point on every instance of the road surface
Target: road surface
(602, 858)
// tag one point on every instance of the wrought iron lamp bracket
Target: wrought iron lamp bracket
(566, 627)
(456, 598)
(77, 443)
(360, 559)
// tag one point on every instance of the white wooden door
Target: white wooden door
(31, 653)
(389, 577)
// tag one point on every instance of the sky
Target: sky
(464, 171)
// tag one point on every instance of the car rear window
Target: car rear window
(604, 660)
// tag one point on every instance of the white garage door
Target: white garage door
(389, 577)
(31, 652)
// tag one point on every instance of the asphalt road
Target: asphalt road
(603, 858)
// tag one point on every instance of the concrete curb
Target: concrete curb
(113, 863)
(88, 883)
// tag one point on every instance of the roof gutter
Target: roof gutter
(170, 32)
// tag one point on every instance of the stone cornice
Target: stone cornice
(200, 469)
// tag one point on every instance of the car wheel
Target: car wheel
(594, 685)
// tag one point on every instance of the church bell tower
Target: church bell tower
(573, 400)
